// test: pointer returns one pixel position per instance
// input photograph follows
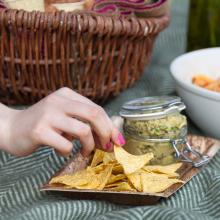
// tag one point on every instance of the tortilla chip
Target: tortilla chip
(109, 158)
(97, 158)
(114, 184)
(86, 179)
(79, 178)
(169, 170)
(117, 169)
(94, 183)
(101, 177)
(122, 186)
(114, 178)
(96, 169)
(135, 179)
(155, 183)
(129, 162)
(104, 176)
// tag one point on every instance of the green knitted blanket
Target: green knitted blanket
(20, 178)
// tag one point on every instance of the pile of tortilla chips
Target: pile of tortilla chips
(121, 171)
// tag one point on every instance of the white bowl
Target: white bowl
(203, 106)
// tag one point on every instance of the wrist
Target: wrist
(6, 121)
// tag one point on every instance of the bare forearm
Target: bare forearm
(6, 115)
(55, 121)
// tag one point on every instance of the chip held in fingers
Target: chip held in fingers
(120, 171)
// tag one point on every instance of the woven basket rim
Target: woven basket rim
(85, 21)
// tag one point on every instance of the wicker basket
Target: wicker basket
(97, 56)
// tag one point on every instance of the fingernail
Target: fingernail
(121, 139)
(109, 145)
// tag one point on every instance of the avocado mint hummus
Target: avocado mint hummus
(169, 127)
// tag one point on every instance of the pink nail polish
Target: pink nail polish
(108, 146)
(121, 139)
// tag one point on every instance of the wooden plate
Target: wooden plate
(204, 145)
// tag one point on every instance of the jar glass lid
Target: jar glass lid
(148, 107)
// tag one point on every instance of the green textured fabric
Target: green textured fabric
(20, 178)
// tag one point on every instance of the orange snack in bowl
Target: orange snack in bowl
(214, 86)
(202, 80)
(206, 82)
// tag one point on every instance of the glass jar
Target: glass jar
(155, 124)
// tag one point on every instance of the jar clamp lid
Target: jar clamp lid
(160, 106)
(151, 107)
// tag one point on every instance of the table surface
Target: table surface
(20, 178)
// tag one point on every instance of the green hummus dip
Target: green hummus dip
(169, 127)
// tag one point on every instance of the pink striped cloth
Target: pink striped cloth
(143, 8)
(2, 5)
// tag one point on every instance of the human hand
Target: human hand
(55, 121)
